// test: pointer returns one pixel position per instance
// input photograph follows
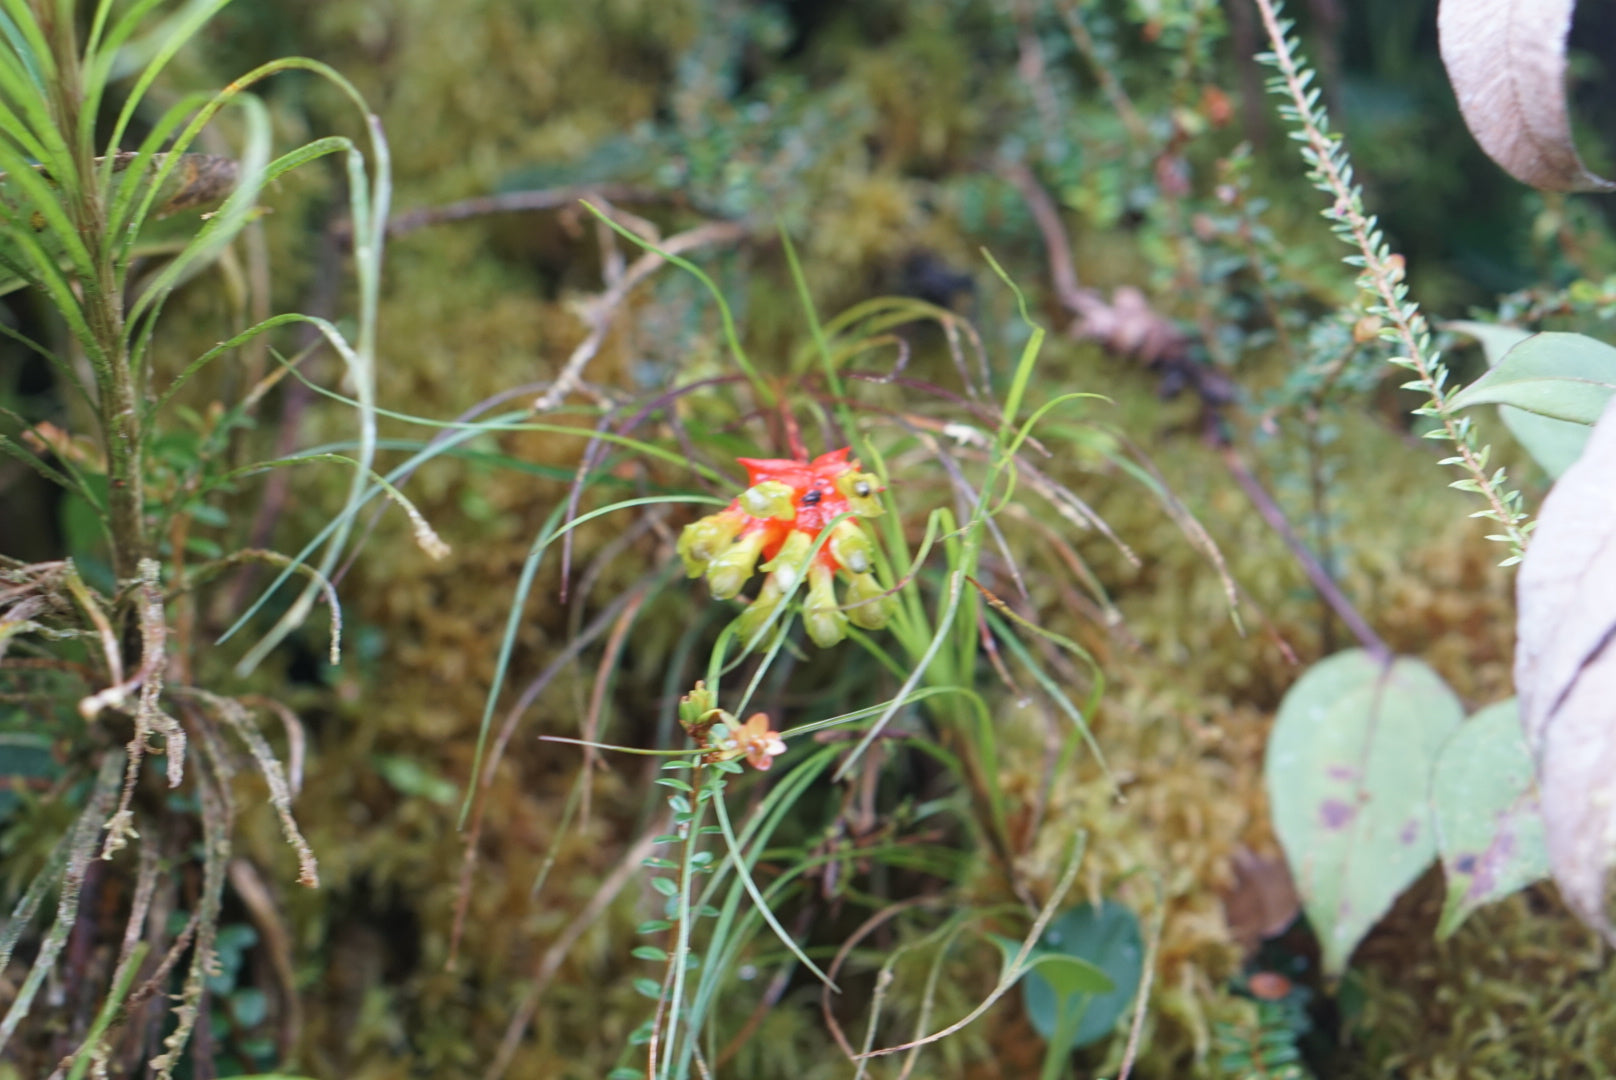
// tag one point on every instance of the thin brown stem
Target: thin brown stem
(1328, 590)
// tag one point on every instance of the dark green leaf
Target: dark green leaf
(1083, 949)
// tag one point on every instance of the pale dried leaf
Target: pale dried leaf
(1507, 62)
(1565, 673)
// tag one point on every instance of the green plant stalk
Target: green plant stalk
(117, 395)
(92, 1047)
(1058, 1054)
(682, 944)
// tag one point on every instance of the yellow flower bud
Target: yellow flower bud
(702, 541)
(786, 566)
(850, 547)
(823, 619)
(730, 568)
(860, 490)
(770, 499)
(867, 608)
(758, 611)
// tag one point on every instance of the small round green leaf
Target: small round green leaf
(249, 1006)
(1087, 966)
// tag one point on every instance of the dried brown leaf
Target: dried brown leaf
(1565, 674)
(1507, 62)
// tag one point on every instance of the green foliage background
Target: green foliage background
(874, 131)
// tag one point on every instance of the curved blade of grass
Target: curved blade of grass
(1014, 968)
(764, 392)
(393, 475)
(744, 874)
(1029, 352)
(548, 533)
(1059, 696)
(956, 588)
(171, 37)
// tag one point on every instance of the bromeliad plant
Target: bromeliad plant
(102, 664)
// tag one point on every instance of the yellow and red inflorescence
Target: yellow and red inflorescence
(776, 520)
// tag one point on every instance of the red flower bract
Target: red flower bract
(815, 497)
(788, 504)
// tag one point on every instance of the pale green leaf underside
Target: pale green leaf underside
(1553, 444)
(1489, 827)
(1562, 376)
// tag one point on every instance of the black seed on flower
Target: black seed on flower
(813, 497)
(862, 489)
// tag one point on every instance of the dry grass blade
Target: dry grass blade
(239, 718)
(553, 957)
(261, 905)
(81, 851)
(597, 697)
(218, 816)
(496, 750)
(603, 309)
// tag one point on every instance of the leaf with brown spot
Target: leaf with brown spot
(1507, 62)
(1348, 771)
(1261, 901)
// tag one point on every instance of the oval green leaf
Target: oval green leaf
(1489, 828)
(1563, 376)
(1553, 444)
(1348, 774)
